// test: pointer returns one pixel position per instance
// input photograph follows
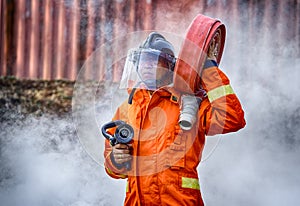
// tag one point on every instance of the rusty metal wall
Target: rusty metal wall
(51, 39)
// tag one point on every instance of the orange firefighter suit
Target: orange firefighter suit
(165, 157)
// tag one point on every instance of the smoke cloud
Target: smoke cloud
(43, 163)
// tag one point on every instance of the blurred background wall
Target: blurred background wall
(51, 39)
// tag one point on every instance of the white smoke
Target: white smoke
(43, 163)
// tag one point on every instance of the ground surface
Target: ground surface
(35, 96)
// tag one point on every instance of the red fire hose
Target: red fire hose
(193, 52)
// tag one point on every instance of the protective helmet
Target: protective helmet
(155, 52)
(156, 41)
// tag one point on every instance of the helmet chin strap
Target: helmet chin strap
(130, 98)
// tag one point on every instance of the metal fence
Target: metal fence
(51, 39)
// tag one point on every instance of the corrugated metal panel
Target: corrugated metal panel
(2, 38)
(52, 39)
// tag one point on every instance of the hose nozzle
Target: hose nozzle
(189, 109)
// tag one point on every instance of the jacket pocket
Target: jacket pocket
(177, 151)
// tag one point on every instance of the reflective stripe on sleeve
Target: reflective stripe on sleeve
(109, 171)
(122, 176)
(191, 183)
(127, 186)
(118, 175)
(219, 92)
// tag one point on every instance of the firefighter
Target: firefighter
(163, 156)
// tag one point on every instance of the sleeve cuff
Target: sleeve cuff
(210, 63)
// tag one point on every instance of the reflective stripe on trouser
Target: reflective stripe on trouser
(187, 182)
(191, 183)
(219, 92)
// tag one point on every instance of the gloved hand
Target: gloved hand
(122, 153)
(213, 49)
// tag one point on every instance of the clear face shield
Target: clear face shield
(147, 69)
